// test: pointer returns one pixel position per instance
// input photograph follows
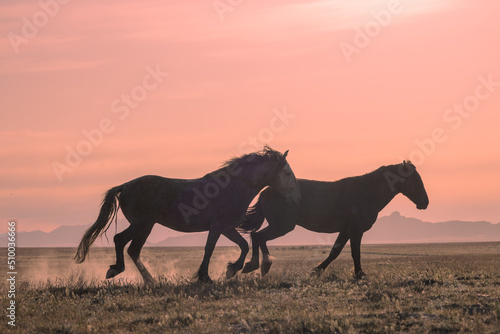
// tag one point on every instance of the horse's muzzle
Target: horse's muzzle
(422, 206)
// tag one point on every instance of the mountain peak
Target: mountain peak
(396, 214)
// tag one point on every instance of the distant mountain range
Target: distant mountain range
(399, 229)
(63, 236)
(389, 229)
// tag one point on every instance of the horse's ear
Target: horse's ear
(404, 162)
(285, 154)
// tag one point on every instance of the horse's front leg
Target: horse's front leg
(253, 264)
(334, 253)
(356, 254)
(202, 274)
(233, 268)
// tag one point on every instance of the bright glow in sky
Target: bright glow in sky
(364, 84)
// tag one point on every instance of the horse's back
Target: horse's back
(146, 197)
(319, 209)
(155, 186)
(329, 206)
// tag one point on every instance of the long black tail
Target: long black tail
(253, 219)
(109, 209)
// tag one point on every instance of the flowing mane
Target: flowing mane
(374, 175)
(267, 153)
(260, 157)
(369, 177)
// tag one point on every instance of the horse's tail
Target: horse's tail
(109, 210)
(253, 219)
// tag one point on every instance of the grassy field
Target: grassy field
(435, 288)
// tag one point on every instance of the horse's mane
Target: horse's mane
(267, 153)
(374, 175)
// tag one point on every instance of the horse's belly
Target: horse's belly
(320, 221)
(321, 226)
(173, 218)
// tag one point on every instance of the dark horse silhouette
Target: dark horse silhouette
(349, 206)
(217, 203)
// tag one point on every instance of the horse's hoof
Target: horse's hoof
(204, 279)
(149, 281)
(231, 270)
(359, 275)
(249, 267)
(112, 272)
(317, 271)
(264, 268)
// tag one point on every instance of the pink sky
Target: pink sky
(229, 73)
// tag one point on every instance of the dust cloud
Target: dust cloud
(40, 265)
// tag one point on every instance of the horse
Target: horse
(216, 202)
(349, 206)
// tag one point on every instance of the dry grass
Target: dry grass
(443, 288)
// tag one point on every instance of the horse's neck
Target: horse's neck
(230, 182)
(255, 180)
(384, 192)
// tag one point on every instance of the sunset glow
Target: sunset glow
(97, 93)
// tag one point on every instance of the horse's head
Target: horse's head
(283, 180)
(413, 187)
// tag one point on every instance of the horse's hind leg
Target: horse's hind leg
(270, 233)
(253, 264)
(233, 268)
(120, 240)
(266, 260)
(261, 238)
(134, 251)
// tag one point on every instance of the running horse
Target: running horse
(349, 206)
(216, 202)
